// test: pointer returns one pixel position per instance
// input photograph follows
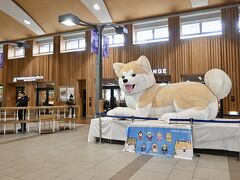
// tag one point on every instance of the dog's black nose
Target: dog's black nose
(125, 81)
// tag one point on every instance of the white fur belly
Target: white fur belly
(158, 112)
(132, 100)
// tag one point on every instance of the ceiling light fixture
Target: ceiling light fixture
(199, 3)
(69, 20)
(96, 6)
(26, 22)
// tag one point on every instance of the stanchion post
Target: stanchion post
(194, 154)
(100, 130)
(132, 119)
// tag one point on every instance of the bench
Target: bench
(47, 118)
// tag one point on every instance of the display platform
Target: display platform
(219, 136)
(112, 129)
(160, 138)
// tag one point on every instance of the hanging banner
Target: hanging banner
(1, 60)
(105, 46)
(94, 44)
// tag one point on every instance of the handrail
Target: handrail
(38, 107)
(103, 114)
(10, 115)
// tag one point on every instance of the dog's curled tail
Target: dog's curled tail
(218, 82)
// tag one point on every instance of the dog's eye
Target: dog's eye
(133, 75)
(123, 77)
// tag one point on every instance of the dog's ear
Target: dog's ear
(143, 61)
(117, 68)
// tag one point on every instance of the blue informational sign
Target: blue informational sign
(1, 60)
(170, 142)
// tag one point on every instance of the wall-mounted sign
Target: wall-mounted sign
(65, 93)
(27, 78)
(160, 71)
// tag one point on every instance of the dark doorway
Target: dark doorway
(82, 97)
(113, 97)
(84, 103)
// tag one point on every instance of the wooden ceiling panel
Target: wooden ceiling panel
(125, 10)
(130, 10)
(46, 12)
(11, 29)
(222, 2)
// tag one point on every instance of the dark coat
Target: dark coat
(23, 101)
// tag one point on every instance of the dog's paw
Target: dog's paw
(111, 113)
(115, 112)
(168, 116)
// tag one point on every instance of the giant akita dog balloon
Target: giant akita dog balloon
(179, 100)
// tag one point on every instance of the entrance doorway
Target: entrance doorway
(113, 97)
(82, 98)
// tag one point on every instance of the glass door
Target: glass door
(45, 96)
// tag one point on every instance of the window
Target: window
(114, 38)
(201, 24)
(18, 52)
(239, 22)
(43, 46)
(73, 42)
(76, 44)
(15, 52)
(1, 49)
(150, 31)
(239, 18)
(188, 29)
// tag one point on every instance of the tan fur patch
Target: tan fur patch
(186, 95)
(196, 95)
(133, 66)
(165, 95)
(148, 96)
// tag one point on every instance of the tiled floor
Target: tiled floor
(68, 155)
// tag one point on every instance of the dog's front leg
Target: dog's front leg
(125, 111)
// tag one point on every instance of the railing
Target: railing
(9, 116)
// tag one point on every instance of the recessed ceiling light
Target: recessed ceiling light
(199, 3)
(96, 6)
(27, 22)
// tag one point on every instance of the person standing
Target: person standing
(22, 101)
(70, 102)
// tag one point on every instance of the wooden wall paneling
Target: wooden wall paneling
(56, 71)
(174, 43)
(90, 67)
(5, 75)
(230, 52)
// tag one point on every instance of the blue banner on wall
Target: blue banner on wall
(1, 60)
(170, 142)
